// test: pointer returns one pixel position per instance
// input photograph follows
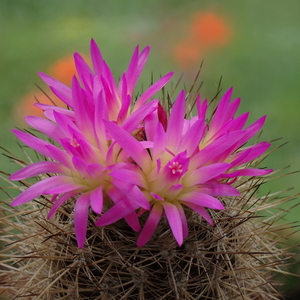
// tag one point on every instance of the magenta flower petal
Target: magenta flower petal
(36, 169)
(157, 197)
(238, 123)
(152, 90)
(133, 148)
(80, 165)
(62, 95)
(143, 57)
(83, 70)
(132, 68)
(63, 188)
(136, 67)
(221, 114)
(120, 210)
(50, 109)
(150, 225)
(45, 126)
(255, 127)
(248, 172)
(82, 147)
(217, 189)
(132, 192)
(230, 126)
(60, 156)
(59, 202)
(38, 189)
(97, 59)
(201, 107)
(217, 148)
(233, 107)
(175, 124)
(174, 220)
(81, 211)
(64, 122)
(83, 116)
(64, 91)
(108, 82)
(96, 198)
(183, 220)
(159, 145)
(201, 211)
(33, 142)
(129, 176)
(99, 128)
(95, 171)
(174, 190)
(206, 173)
(125, 106)
(150, 124)
(133, 221)
(249, 133)
(251, 153)
(202, 199)
(192, 138)
(137, 117)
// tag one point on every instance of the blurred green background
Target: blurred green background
(258, 53)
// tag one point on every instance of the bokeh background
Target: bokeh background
(254, 45)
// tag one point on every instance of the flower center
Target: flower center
(176, 167)
(74, 143)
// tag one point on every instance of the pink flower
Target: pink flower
(82, 156)
(186, 165)
(112, 150)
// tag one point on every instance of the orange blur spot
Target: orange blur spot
(207, 31)
(186, 53)
(210, 30)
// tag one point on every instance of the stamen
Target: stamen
(74, 143)
(176, 167)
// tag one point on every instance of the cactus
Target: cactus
(230, 249)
